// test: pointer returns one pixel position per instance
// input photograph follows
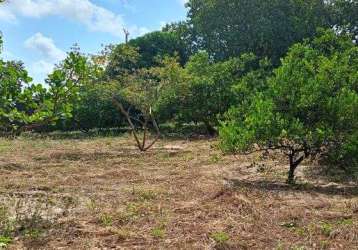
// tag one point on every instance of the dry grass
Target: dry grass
(102, 193)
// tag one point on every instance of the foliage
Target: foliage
(201, 91)
(94, 109)
(141, 90)
(144, 52)
(123, 60)
(157, 45)
(185, 33)
(25, 106)
(227, 28)
(19, 100)
(344, 16)
(220, 238)
(311, 103)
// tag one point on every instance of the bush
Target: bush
(201, 92)
(310, 105)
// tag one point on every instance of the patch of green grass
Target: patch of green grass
(33, 233)
(300, 231)
(215, 158)
(326, 228)
(129, 214)
(4, 241)
(158, 232)
(220, 237)
(346, 222)
(106, 220)
(144, 194)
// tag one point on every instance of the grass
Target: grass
(97, 192)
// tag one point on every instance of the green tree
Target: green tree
(19, 100)
(202, 91)
(156, 45)
(184, 33)
(267, 28)
(94, 108)
(310, 105)
(344, 16)
(122, 60)
(26, 106)
(141, 90)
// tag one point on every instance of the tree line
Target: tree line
(262, 74)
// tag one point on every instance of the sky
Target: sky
(39, 32)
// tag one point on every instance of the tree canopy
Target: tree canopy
(267, 28)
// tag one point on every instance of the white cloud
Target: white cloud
(94, 17)
(46, 47)
(42, 68)
(50, 55)
(7, 15)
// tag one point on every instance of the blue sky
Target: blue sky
(39, 32)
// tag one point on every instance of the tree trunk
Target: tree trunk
(293, 166)
(141, 145)
(210, 129)
(291, 175)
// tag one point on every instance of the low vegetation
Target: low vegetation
(100, 192)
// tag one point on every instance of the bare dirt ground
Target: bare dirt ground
(102, 193)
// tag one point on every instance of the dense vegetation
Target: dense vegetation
(264, 75)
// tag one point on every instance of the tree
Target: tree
(186, 34)
(90, 105)
(310, 105)
(144, 52)
(19, 100)
(156, 45)
(202, 91)
(344, 16)
(123, 60)
(267, 28)
(94, 108)
(25, 106)
(141, 90)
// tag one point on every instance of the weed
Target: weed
(158, 232)
(345, 222)
(92, 205)
(106, 220)
(215, 158)
(326, 228)
(122, 233)
(144, 195)
(4, 241)
(220, 238)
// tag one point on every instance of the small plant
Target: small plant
(4, 241)
(158, 232)
(106, 220)
(326, 228)
(346, 222)
(215, 158)
(144, 195)
(220, 238)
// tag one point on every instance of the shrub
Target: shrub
(310, 105)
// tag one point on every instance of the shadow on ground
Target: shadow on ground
(329, 189)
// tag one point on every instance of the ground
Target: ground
(102, 193)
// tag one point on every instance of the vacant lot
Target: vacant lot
(101, 193)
